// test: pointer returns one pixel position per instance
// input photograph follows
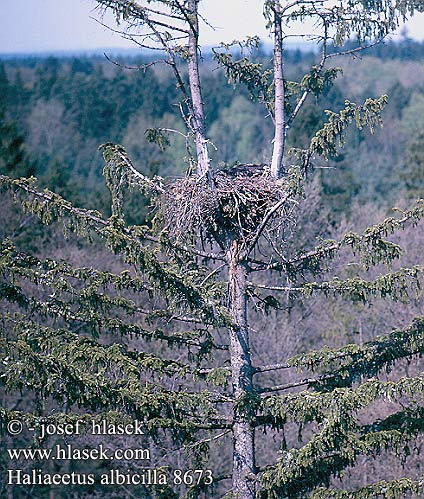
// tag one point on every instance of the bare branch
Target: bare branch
(146, 181)
(161, 13)
(357, 49)
(295, 384)
(271, 367)
(321, 65)
(264, 222)
(210, 439)
(141, 13)
(211, 274)
(141, 67)
(128, 36)
(183, 11)
(298, 2)
(283, 289)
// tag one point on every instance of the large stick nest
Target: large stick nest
(235, 207)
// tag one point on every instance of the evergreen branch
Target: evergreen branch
(57, 308)
(354, 51)
(52, 207)
(370, 245)
(200, 443)
(283, 289)
(372, 20)
(32, 420)
(113, 417)
(249, 74)
(57, 276)
(49, 339)
(120, 239)
(393, 284)
(325, 140)
(343, 377)
(297, 384)
(128, 9)
(329, 452)
(307, 406)
(65, 343)
(331, 136)
(67, 378)
(393, 489)
(122, 170)
(349, 363)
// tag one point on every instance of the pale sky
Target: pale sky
(50, 25)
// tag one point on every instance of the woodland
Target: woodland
(265, 324)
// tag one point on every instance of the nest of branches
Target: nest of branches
(235, 207)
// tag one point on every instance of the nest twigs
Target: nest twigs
(241, 206)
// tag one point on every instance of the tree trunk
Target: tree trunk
(196, 93)
(241, 367)
(280, 118)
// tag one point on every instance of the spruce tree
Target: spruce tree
(193, 275)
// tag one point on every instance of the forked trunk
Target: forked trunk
(243, 431)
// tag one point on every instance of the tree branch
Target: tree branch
(295, 384)
(271, 367)
(264, 222)
(93, 217)
(321, 65)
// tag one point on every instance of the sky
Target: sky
(56, 25)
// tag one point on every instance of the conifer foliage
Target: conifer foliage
(166, 341)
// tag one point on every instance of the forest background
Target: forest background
(61, 109)
(54, 113)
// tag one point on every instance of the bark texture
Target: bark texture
(243, 431)
(279, 113)
(196, 93)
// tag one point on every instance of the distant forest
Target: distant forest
(55, 112)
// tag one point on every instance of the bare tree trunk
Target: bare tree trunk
(52, 490)
(243, 430)
(7, 445)
(280, 118)
(196, 93)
